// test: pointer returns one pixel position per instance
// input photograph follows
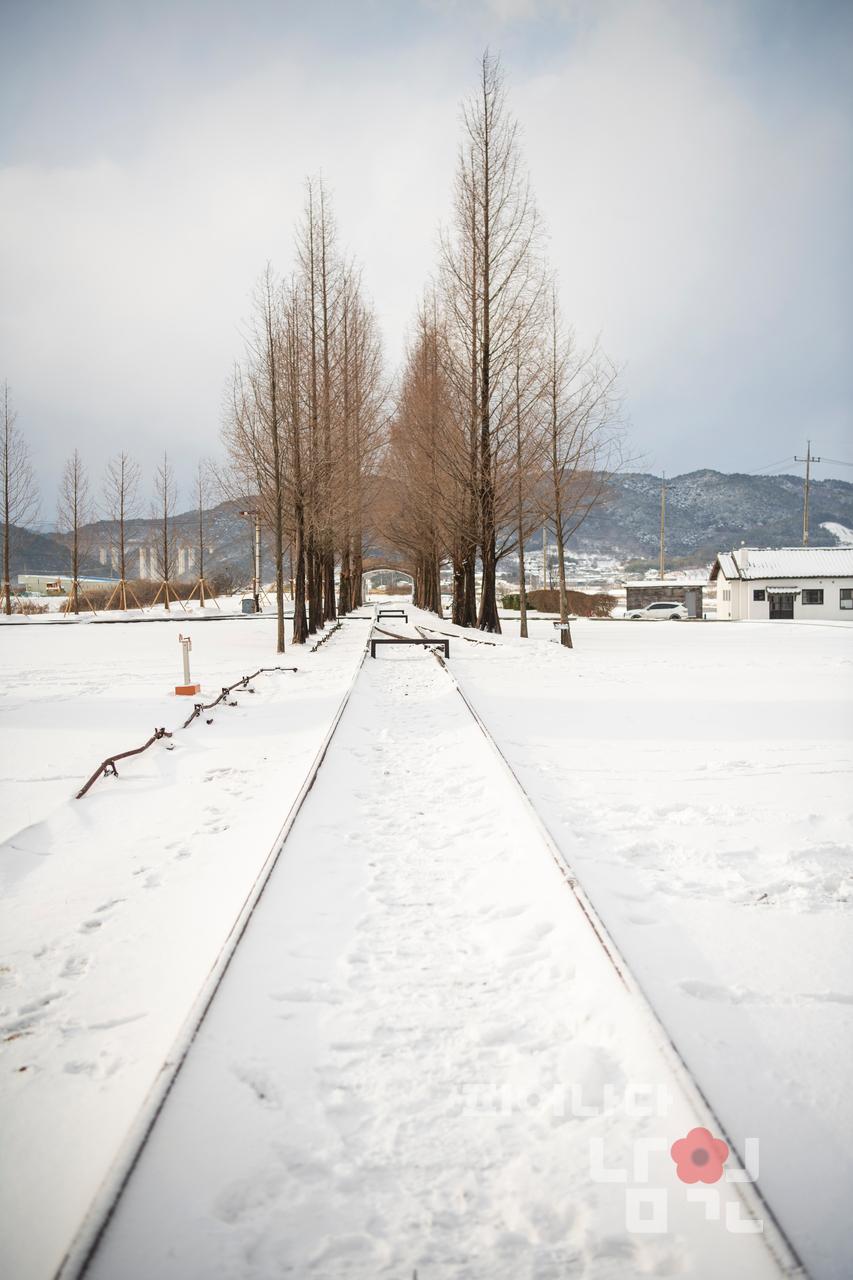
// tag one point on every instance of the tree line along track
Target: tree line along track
(87, 1244)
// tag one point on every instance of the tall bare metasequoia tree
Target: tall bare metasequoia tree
(583, 440)
(203, 482)
(492, 276)
(269, 399)
(499, 422)
(121, 492)
(74, 513)
(20, 498)
(512, 424)
(164, 510)
(305, 420)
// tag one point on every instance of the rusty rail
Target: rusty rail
(327, 636)
(198, 707)
(107, 768)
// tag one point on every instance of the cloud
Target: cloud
(696, 190)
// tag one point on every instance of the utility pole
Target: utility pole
(808, 460)
(256, 575)
(662, 560)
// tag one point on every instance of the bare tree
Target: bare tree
(584, 439)
(20, 499)
(266, 344)
(306, 418)
(202, 494)
(528, 440)
(121, 492)
(164, 510)
(74, 512)
(293, 349)
(492, 276)
(254, 430)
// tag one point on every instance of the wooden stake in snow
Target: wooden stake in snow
(187, 687)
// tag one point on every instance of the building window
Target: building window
(845, 598)
(813, 596)
(759, 595)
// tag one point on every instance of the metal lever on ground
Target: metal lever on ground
(243, 681)
(108, 766)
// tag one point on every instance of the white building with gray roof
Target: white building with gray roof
(785, 584)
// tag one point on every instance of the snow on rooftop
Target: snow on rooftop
(787, 562)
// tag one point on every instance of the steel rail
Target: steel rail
(243, 682)
(89, 1235)
(453, 635)
(777, 1242)
(107, 768)
(82, 1249)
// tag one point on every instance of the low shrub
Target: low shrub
(581, 603)
(22, 605)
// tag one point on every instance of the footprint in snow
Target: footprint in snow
(28, 1015)
(260, 1082)
(8, 977)
(75, 966)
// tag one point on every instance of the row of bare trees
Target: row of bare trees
(503, 422)
(119, 507)
(77, 509)
(20, 496)
(306, 419)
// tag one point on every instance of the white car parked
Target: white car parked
(660, 611)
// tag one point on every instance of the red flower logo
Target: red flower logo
(699, 1157)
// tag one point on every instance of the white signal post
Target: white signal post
(187, 689)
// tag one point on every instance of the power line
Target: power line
(783, 462)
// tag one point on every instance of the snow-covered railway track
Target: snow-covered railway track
(85, 1243)
(759, 1209)
(408, 1063)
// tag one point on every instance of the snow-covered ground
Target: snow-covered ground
(391, 1074)
(416, 1048)
(115, 907)
(840, 532)
(698, 778)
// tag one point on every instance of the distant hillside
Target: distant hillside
(31, 552)
(707, 511)
(228, 546)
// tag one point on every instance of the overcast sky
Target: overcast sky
(692, 162)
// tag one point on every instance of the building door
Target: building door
(782, 606)
(691, 603)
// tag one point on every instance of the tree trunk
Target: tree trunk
(300, 620)
(314, 613)
(7, 587)
(357, 567)
(565, 630)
